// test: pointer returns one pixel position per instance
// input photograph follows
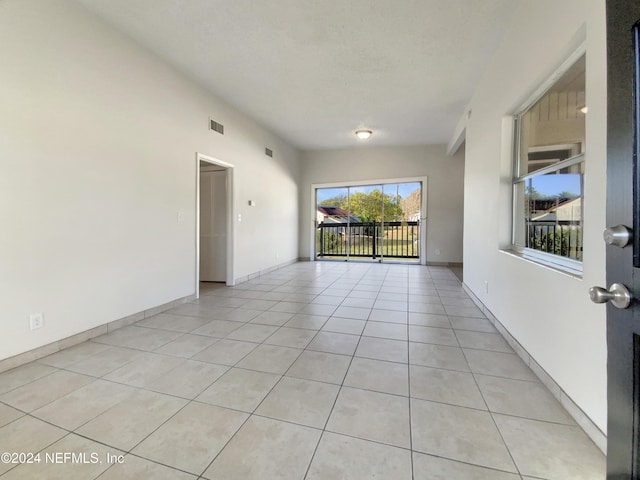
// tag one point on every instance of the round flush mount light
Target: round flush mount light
(363, 134)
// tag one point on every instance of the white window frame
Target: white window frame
(568, 265)
(378, 181)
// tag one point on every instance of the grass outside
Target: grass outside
(399, 242)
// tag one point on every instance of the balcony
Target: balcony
(375, 240)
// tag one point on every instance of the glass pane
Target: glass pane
(332, 217)
(369, 222)
(548, 212)
(553, 129)
(400, 236)
(365, 204)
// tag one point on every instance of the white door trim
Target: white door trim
(423, 207)
(230, 223)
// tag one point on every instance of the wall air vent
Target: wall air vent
(268, 152)
(216, 127)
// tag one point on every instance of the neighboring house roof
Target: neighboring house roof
(414, 217)
(333, 211)
(567, 211)
(337, 215)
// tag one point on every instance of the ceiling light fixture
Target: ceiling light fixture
(363, 134)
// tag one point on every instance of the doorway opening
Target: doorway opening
(214, 222)
(381, 221)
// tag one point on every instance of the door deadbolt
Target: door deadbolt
(618, 236)
(617, 294)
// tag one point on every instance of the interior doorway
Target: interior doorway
(214, 221)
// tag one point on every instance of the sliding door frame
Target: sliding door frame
(359, 183)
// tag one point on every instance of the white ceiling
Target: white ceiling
(313, 71)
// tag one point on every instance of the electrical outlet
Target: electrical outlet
(180, 215)
(36, 321)
(437, 252)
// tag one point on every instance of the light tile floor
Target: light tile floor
(317, 371)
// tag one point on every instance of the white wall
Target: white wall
(97, 151)
(444, 187)
(548, 312)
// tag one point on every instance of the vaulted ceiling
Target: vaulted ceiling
(314, 71)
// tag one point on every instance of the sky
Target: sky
(403, 189)
(550, 185)
(546, 185)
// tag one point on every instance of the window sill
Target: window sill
(548, 263)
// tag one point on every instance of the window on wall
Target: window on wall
(549, 170)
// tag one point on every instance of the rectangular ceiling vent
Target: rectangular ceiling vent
(216, 127)
(268, 152)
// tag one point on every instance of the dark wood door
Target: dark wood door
(623, 325)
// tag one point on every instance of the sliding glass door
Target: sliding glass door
(375, 222)
(401, 226)
(333, 220)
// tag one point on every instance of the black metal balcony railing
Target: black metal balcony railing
(394, 240)
(558, 239)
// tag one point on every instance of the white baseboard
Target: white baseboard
(582, 419)
(260, 273)
(53, 347)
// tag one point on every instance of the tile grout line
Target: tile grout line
(410, 396)
(239, 428)
(493, 420)
(488, 410)
(335, 401)
(67, 433)
(261, 401)
(189, 402)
